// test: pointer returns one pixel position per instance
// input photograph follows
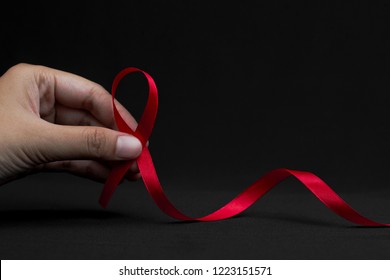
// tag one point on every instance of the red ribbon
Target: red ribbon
(244, 200)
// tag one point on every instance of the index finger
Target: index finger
(80, 93)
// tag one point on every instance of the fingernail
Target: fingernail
(128, 147)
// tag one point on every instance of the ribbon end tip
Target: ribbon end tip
(103, 203)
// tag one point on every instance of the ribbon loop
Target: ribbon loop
(241, 202)
(146, 124)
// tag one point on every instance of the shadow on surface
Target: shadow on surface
(12, 217)
(308, 221)
(276, 218)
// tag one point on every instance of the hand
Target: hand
(54, 120)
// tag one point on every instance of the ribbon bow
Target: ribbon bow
(241, 202)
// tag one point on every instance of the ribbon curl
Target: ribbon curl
(241, 202)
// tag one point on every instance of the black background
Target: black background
(244, 87)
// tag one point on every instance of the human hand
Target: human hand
(54, 120)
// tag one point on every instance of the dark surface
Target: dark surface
(64, 221)
(244, 88)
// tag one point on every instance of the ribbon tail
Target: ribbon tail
(113, 180)
(251, 194)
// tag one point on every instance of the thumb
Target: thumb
(88, 142)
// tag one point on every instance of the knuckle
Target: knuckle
(18, 69)
(38, 73)
(93, 94)
(22, 68)
(88, 102)
(96, 141)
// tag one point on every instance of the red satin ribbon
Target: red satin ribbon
(245, 199)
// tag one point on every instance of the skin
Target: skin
(54, 120)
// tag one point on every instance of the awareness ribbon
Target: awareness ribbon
(241, 202)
